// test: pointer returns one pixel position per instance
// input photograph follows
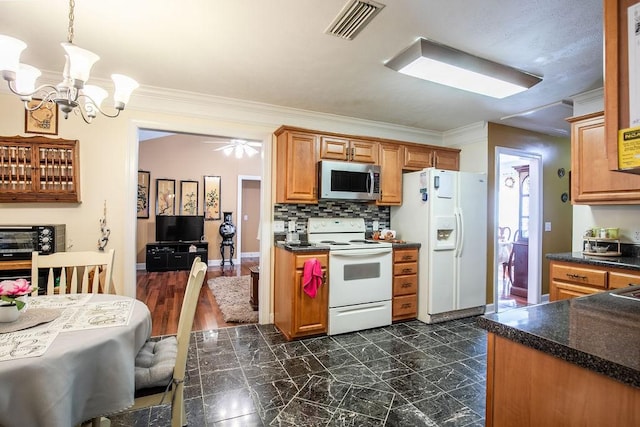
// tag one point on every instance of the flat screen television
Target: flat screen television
(179, 228)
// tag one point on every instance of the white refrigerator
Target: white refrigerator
(446, 212)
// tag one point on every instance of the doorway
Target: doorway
(248, 238)
(517, 231)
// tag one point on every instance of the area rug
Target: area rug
(232, 295)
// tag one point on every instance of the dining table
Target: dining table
(77, 365)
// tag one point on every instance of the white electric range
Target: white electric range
(360, 274)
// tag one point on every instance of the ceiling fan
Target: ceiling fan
(238, 146)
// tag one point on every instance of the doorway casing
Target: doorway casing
(535, 223)
(264, 136)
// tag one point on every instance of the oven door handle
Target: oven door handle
(352, 253)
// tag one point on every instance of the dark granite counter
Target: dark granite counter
(625, 262)
(406, 245)
(599, 332)
(302, 247)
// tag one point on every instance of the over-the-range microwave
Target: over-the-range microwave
(348, 181)
(18, 241)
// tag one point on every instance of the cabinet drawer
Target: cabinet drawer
(622, 280)
(405, 255)
(405, 268)
(567, 290)
(580, 275)
(404, 285)
(300, 259)
(405, 307)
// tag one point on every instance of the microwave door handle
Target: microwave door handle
(370, 183)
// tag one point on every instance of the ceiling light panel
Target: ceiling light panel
(353, 17)
(445, 65)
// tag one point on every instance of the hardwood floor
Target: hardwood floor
(163, 292)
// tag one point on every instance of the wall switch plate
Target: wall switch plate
(547, 226)
(636, 236)
(292, 225)
(376, 225)
(278, 226)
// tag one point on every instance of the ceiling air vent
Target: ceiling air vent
(353, 17)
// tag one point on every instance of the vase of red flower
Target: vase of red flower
(13, 294)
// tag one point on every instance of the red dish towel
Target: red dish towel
(311, 277)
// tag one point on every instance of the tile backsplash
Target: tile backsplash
(330, 208)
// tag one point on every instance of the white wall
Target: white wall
(473, 140)
(584, 217)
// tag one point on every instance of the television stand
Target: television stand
(175, 256)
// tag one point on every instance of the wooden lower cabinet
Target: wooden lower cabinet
(618, 279)
(296, 314)
(570, 280)
(529, 388)
(405, 284)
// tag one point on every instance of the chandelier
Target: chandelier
(72, 94)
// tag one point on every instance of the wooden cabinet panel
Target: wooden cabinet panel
(569, 280)
(592, 183)
(405, 284)
(405, 307)
(562, 290)
(296, 167)
(444, 159)
(39, 169)
(296, 314)
(334, 148)
(364, 151)
(390, 174)
(405, 255)
(580, 275)
(622, 280)
(526, 387)
(348, 150)
(417, 158)
(405, 268)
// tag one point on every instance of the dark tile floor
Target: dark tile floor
(407, 374)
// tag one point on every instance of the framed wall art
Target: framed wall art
(211, 198)
(143, 194)
(43, 120)
(188, 197)
(165, 197)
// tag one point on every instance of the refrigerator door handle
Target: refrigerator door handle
(459, 233)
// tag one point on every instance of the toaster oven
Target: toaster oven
(19, 241)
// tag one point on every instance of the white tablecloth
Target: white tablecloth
(82, 375)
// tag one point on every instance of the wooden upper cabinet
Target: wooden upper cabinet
(616, 82)
(418, 157)
(592, 183)
(390, 174)
(296, 167)
(446, 159)
(39, 169)
(353, 150)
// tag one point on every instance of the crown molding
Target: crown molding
(471, 134)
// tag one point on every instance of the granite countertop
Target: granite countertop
(302, 247)
(315, 247)
(599, 332)
(625, 262)
(406, 245)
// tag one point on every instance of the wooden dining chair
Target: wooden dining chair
(89, 265)
(161, 364)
